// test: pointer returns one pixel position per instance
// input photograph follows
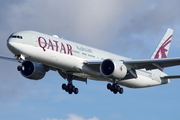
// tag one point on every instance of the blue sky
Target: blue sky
(129, 28)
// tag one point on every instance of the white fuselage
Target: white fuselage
(70, 57)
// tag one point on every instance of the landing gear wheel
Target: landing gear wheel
(70, 88)
(73, 88)
(64, 86)
(115, 88)
(121, 90)
(118, 88)
(76, 91)
(109, 86)
(70, 92)
(115, 91)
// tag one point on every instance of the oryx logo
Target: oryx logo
(161, 53)
(121, 68)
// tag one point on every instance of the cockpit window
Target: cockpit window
(16, 36)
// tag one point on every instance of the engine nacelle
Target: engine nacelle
(32, 70)
(113, 68)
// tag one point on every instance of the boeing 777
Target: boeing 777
(38, 53)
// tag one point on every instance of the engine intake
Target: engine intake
(32, 70)
(113, 69)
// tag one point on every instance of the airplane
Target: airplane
(38, 53)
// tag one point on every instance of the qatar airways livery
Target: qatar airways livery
(38, 53)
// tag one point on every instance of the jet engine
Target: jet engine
(113, 69)
(32, 70)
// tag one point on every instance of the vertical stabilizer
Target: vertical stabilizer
(163, 47)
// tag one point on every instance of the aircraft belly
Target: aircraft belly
(140, 82)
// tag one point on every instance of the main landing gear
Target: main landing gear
(115, 88)
(70, 88)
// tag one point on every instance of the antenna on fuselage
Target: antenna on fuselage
(55, 36)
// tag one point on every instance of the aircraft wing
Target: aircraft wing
(150, 64)
(10, 59)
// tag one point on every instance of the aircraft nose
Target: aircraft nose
(9, 41)
(12, 42)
